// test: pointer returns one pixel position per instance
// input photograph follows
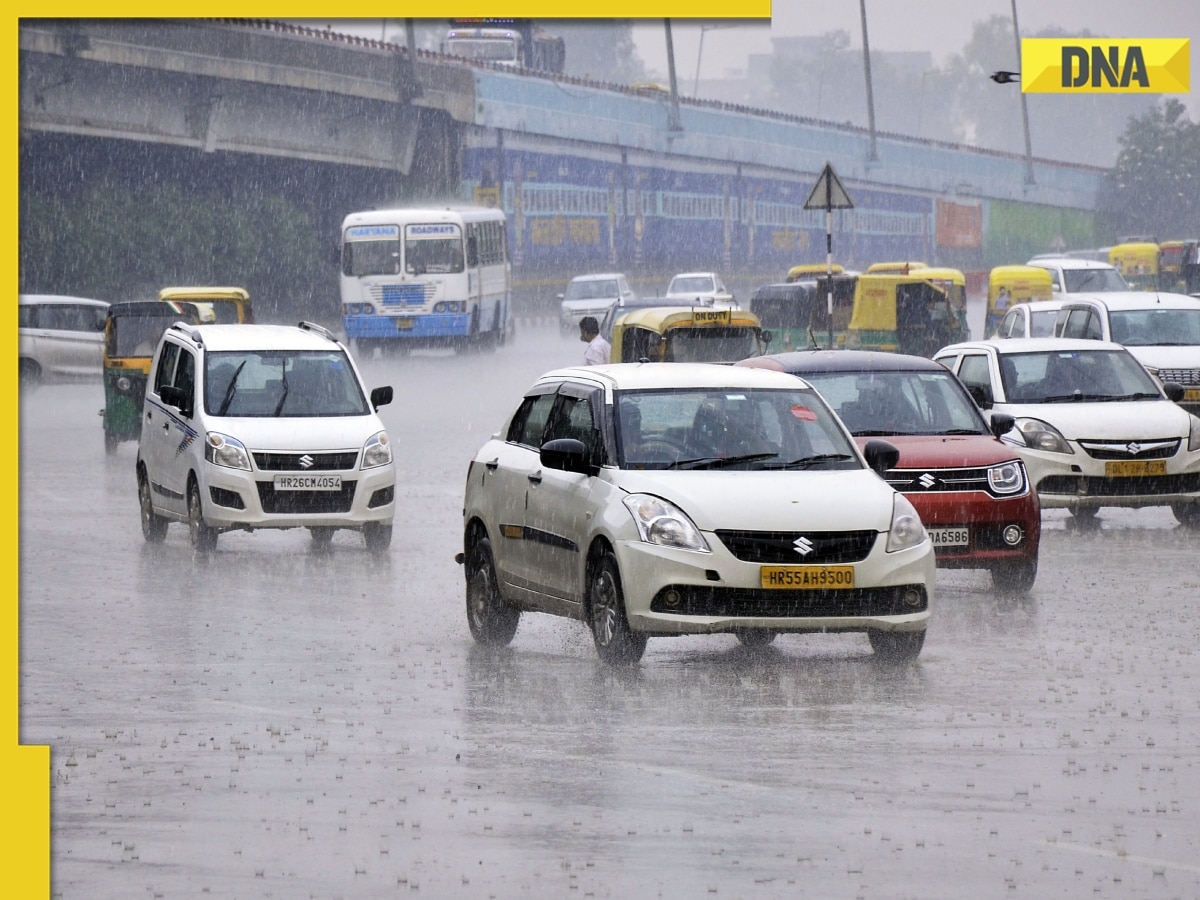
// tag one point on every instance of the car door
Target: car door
(168, 434)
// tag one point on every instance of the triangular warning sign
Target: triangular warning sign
(828, 192)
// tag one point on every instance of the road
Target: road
(274, 722)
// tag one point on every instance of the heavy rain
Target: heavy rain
(278, 718)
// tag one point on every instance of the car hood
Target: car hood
(329, 433)
(1155, 357)
(1150, 419)
(844, 500)
(954, 451)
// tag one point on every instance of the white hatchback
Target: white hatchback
(262, 426)
(647, 499)
(700, 289)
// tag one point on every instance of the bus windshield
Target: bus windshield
(432, 249)
(371, 250)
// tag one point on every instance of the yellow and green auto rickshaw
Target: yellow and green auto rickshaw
(131, 334)
(903, 314)
(1137, 262)
(1014, 284)
(687, 334)
(808, 271)
(1179, 267)
(228, 305)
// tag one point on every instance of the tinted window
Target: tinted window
(165, 372)
(530, 420)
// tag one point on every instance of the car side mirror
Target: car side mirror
(1174, 391)
(1002, 423)
(178, 398)
(567, 455)
(881, 456)
(381, 396)
(981, 394)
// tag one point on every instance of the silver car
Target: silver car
(61, 338)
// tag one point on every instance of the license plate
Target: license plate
(801, 578)
(308, 482)
(1135, 467)
(950, 537)
(404, 324)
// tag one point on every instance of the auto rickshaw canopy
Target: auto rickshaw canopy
(228, 305)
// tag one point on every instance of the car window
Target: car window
(1156, 327)
(185, 375)
(1079, 280)
(880, 403)
(27, 316)
(1041, 323)
(573, 418)
(165, 372)
(1013, 325)
(529, 421)
(973, 372)
(282, 383)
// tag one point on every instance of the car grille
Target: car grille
(317, 462)
(781, 546)
(1151, 485)
(1127, 450)
(1186, 377)
(688, 600)
(299, 502)
(933, 481)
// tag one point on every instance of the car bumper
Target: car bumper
(239, 499)
(1077, 480)
(669, 591)
(997, 530)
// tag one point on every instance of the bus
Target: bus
(431, 277)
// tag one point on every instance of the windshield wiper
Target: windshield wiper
(1140, 395)
(807, 462)
(282, 396)
(719, 462)
(231, 390)
(961, 431)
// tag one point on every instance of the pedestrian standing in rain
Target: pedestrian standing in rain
(598, 348)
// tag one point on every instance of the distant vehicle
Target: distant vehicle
(647, 500)
(903, 313)
(1138, 264)
(228, 305)
(700, 288)
(60, 338)
(1010, 285)
(687, 334)
(1092, 426)
(807, 271)
(591, 295)
(1179, 266)
(1032, 319)
(511, 42)
(787, 310)
(1075, 276)
(895, 268)
(419, 277)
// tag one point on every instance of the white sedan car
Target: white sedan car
(1093, 427)
(700, 289)
(646, 499)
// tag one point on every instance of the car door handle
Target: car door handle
(536, 477)
(493, 465)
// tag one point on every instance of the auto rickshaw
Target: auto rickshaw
(131, 334)
(1138, 262)
(228, 305)
(904, 314)
(687, 334)
(1014, 284)
(1179, 267)
(808, 271)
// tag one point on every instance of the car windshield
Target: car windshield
(731, 428)
(1065, 376)
(592, 290)
(1093, 280)
(1156, 327)
(282, 383)
(697, 284)
(891, 403)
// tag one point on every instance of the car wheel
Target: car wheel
(897, 646)
(322, 537)
(615, 642)
(492, 621)
(1015, 577)
(30, 374)
(1187, 514)
(154, 526)
(377, 536)
(204, 537)
(755, 637)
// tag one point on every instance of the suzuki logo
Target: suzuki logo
(1133, 448)
(305, 461)
(803, 546)
(927, 481)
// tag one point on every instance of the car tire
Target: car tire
(30, 374)
(896, 646)
(322, 536)
(1187, 514)
(755, 637)
(154, 526)
(377, 536)
(1015, 577)
(492, 621)
(616, 643)
(203, 536)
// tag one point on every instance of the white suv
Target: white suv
(1070, 275)
(591, 295)
(262, 426)
(701, 289)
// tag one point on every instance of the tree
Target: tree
(1152, 188)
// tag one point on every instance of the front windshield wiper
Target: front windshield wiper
(283, 395)
(232, 389)
(961, 431)
(1077, 397)
(1139, 395)
(807, 462)
(719, 462)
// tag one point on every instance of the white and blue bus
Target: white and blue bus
(426, 277)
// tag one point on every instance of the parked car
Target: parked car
(1093, 427)
(970, 489)
(1071, 275)
(262, 426)
(60, 338)
(701, 289)
(591, 295)
(649, 500)
(1034, 318)
(1162, 330)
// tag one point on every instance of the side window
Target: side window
(530, 420)
(573, 418)
(1092, 329)
(27, 316)
(185, 374)
(974, 374)
(165, 373)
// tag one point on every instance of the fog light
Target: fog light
(1013, 535)
(672, 600)
(912, 597)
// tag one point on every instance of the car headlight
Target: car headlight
(222, 450)
(661, 522)
(907, 530)
(1038, 435)
(377, 451)
(1007, 478)
(1194, 434)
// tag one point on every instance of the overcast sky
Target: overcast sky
(942, 27)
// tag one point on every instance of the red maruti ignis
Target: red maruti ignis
(971, 490)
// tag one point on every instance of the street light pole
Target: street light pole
(873, 153)
(1024, 106)
(709, 26)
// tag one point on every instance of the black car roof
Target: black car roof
(800, 361)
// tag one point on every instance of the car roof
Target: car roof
(670, 375)
(693, 275)
(28, 299)
(1069, 262)
(599, 276)
(804, 361)
(257, 337)
(1124, 300)
(1031, 345)
(1041, 305)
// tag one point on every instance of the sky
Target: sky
(940, 26)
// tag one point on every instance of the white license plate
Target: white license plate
(308, 482)
(950, 537)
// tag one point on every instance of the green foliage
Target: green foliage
(1153, 187)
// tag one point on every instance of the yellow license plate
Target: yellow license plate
(806, 578)
(404, 324)
(1191, 394)
(1135, 467)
